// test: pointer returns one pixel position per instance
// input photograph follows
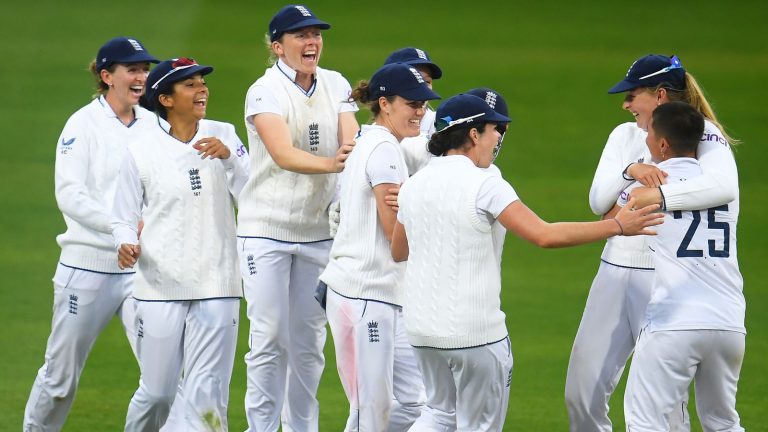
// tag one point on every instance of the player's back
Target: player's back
(697, 283)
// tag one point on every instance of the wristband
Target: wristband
(663, 200)
(620, 227)
(624, 173)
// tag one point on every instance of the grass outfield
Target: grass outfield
(553, 62)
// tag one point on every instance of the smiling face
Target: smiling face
(126, 84)
(401, 116)
(641, 102)
(300, 49)
(188, 99)
(486, 143)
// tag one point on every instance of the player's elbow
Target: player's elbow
(399, 254)
(282, 160)
(546, 239)
(67, 199)
(730, 191)
(599, 207)
(399, 257)
(546, 243)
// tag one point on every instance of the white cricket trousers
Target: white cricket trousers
(665, 363)
(197, 337)
(376, 364)
(612, 320)
(83, 304)
(287, 333)
(467, 389)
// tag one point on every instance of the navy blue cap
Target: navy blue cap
(122, 50)
(492, 98)
(651, 71)
(293, 17)
(398, 79)
(465, 110)
(415, 57)
(162, 76)
(498, 104)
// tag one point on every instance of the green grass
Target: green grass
(552, 61)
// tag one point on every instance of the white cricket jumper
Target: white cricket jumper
(188, 245)
(280, 204)
(89, 153)
(89, 287)
(452, 281)
(625, 145)
(361, 264)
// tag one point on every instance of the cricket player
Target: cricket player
(452, 307)
(415, 148)
(693, 329)
(375, 362)
(88, 287)
(182, 177)
(620, 291)
(300, 127)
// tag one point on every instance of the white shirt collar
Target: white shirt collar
(290, 73)
(287, 70)
(678, 161)
(110, 113)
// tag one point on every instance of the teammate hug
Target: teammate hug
(397, 228)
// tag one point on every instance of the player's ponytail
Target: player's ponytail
(101, 87)
(361, 93)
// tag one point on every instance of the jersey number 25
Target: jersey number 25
(712, 224)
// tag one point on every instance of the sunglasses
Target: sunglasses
(177, 65)
(675, 64)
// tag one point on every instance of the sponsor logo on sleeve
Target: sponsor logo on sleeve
(66, 145)
(624, 197)
(714, 137)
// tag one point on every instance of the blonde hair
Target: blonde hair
(694, 96)
(272, 59)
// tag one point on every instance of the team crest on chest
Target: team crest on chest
(314, 137)
(194, 181)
